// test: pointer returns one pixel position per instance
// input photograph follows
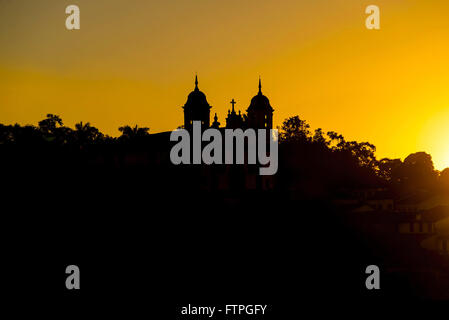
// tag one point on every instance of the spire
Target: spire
(260, 86)
(196, 82)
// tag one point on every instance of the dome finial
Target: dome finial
(260, 85)
(196, 81)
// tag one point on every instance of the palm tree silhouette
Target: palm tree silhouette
(133, 132)
(85, 133)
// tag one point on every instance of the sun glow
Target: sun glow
(133, 62)
(435, 137)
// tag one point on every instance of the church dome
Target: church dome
(196, 98)
(260, 102)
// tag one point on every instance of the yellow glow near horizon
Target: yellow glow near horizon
(133, 62)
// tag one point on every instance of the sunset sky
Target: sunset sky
(134, 62)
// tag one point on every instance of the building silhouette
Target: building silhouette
(196, 108)
(259, 114)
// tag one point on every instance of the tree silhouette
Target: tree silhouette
(294, 130)
(50, 124)
(132, 133)
(444, 178)
(85, 133)
(327, 159)
(337, 141)
(319, 138)
(6, 134)
(418, 170)
(389, 169)
(54, 131)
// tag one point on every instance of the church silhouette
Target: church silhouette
(259, 114)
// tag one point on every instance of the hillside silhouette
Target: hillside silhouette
(308, 159)
(121, 196)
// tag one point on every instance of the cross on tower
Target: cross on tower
(233, 103)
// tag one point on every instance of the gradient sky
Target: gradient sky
(134, 61)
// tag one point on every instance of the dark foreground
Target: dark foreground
(150, 240)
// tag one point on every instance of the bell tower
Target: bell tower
(196, 108)
(260, 112)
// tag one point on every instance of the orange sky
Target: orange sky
(133, 62)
